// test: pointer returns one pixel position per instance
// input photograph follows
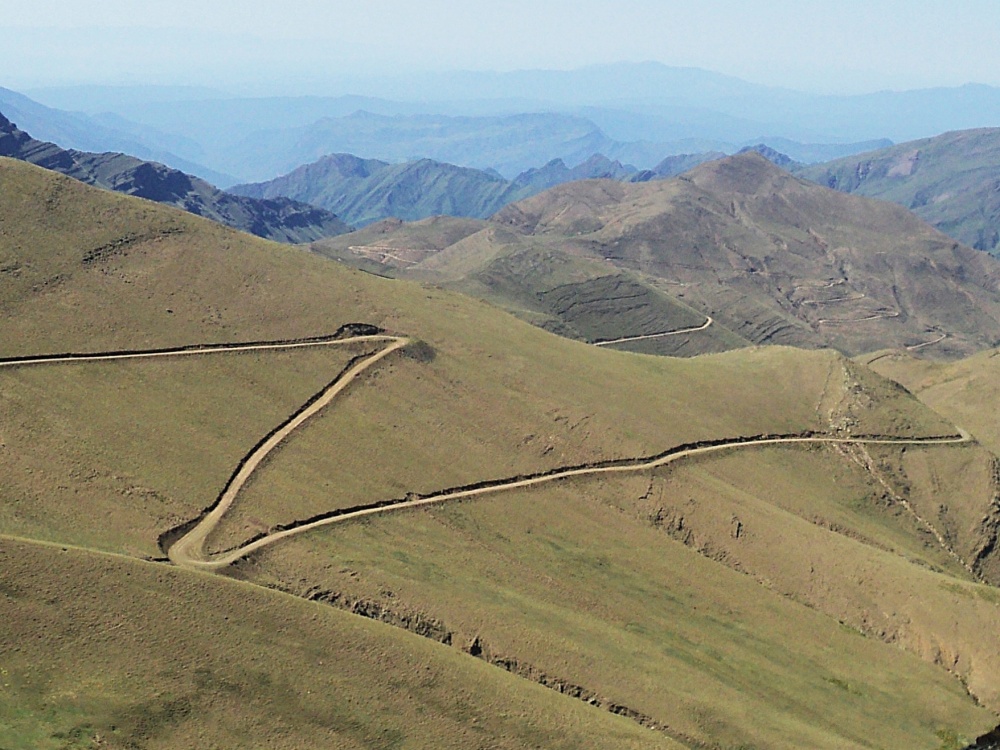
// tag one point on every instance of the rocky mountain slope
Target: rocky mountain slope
(278, 219)
(950, 181)
(770, 257)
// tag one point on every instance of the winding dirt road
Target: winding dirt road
(625, 340)
(189, 550)
(192, 554)
(917, 347)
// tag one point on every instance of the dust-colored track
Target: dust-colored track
(189, 550)
(627, 339)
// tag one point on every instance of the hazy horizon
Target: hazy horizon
(308, 46)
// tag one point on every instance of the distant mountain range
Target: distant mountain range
(279, 219)
(659, 120)
(106, 132)
(951, 181)
(636, 114)
(362, 191)
(770, 257)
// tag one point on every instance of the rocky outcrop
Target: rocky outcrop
(988, 741)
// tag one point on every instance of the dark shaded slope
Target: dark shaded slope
(278, 219)
(951, 181)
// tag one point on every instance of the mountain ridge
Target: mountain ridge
(949, 180)
(364, 191)
(772, 258)
(279, 219)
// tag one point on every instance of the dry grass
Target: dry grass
(576, 580)
(141, 655)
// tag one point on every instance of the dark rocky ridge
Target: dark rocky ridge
(277, 219)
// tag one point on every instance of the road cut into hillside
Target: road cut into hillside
(648, 336)
(189, 551)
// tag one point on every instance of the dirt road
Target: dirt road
(189, 551)
(192, 555)
(625, 340)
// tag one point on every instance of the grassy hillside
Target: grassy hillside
(949, 181)
(957, 390)
(138, 655)
(576, 297)
(754, 597)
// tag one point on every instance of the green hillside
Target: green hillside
(949, 181)
(755, 595)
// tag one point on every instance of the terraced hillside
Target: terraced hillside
(755, 594)
(770, 258)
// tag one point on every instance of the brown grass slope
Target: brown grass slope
(536, 280)
(143, 656)
(962, 391)
(778, 259)
(722, 623)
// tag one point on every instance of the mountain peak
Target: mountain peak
(746, 172)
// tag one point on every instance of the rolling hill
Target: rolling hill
(278, 219)
(770, 258)
(728, 558)
(949, 181)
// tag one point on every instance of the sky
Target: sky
(330, 46)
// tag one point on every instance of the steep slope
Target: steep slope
(609, 589)
(277, 219)
(949, 181)
(957, 390)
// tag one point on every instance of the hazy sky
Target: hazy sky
(847, 45)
